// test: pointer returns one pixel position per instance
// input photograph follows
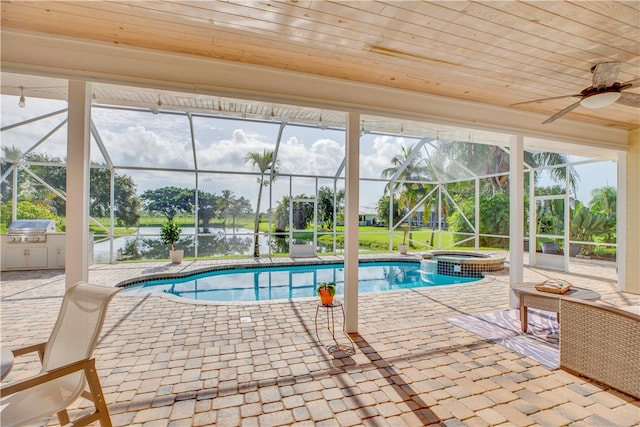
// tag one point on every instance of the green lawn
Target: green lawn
(377, 238)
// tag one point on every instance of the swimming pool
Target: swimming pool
(289, 282)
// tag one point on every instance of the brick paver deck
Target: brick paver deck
(170, 363)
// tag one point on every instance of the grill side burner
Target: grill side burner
(30, 230)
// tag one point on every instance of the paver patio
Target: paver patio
(165, 362)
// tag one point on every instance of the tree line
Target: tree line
(172, 201)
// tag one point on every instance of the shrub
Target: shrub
(494, 219)
(170, 233)
(27, 210)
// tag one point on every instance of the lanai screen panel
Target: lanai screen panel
(464, 160)
(306, 150)
(22, 139)
(139, 138)
(222, 144)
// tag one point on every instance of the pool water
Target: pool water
(273, 283)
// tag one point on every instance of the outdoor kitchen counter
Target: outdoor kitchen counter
(33, 255)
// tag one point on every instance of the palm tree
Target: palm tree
(264, 162)
(557, 174)
(11, 153)
(407, 166)
(490, 159)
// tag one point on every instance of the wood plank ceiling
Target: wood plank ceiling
(493, 52)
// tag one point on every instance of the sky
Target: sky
(142, 139)
(590, 176)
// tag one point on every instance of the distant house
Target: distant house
(367, 219)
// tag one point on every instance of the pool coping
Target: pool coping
(414, 258)
(243, 265)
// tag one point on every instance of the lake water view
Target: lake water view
(146, 244)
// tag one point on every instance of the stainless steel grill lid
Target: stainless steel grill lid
(32, 226)
(30, 230)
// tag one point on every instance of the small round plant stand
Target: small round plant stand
(329, 310)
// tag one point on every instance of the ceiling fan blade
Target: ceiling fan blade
(633, 83)
(547, 99)
(630, 99)
(562, 112)
(605, 74)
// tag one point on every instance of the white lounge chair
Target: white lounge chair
(67, 365)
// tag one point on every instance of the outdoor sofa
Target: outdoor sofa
(602, 343)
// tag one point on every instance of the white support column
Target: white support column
(628, 233)
(352, 203)
(621, 224)
(77, 215)
(516, 209)
(567, 219)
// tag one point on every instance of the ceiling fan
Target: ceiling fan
(604, 91)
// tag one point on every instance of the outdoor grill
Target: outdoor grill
(30, 230)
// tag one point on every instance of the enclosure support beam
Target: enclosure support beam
(112, 213)
(533, 218)
(196, 196)
(352, 203)
(78, 145)
(14, 192)
(476, 224)
(516, 209)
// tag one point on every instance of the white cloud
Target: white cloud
(239, 137)
(327, 156)
(229, 154)
(321, 157)
(139, 146)
(384, 149)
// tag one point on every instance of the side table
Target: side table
(329, 309)
(529, 296)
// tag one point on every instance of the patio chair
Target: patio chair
(67, 365)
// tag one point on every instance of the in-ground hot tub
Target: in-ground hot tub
(461, 263)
